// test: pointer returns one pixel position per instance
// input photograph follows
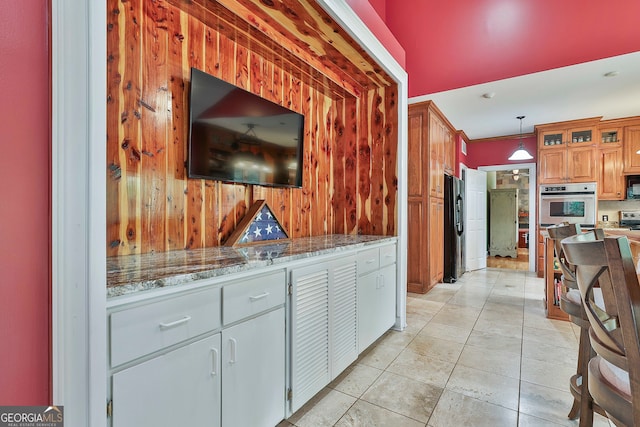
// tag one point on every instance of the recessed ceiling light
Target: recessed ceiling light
(611, 74)
(488, 95)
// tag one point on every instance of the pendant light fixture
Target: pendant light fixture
(520, 153)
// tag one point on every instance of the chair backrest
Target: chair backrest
(614, 327)
(557, 233)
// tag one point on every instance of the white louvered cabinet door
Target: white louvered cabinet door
(310, 370)
(344, 319)
(324, 325)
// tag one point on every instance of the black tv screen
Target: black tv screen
(237, 136)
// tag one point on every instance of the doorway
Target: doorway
(523, 178)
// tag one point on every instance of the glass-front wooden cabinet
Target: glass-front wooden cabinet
(567, 151)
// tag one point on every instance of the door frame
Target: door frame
(533, 222)
(78, 197)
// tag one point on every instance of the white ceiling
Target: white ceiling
(568, 93)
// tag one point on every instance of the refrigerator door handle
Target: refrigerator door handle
(459, 215)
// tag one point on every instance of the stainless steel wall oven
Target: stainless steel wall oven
(573, 203)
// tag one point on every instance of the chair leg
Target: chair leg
(585, 353)
(575, 410)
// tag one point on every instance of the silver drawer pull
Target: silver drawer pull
(389, 255)
(257, 297)
(371, 261)
(175, 323)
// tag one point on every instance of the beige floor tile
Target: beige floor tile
(549, 351)
(381, 355)
(495, 341)
(324, 409)
(416, 322)
(446, 332)
(561, 337)
(439, 294)
(485, 386)
(550, 404)
(489, 360)
(525, 420)
(550, 373)
(435, 347)
(356, 379)
(422, 368)
(502, 328)
(422, 307)
(456, 315)
(405, 396)
(455, 409)
(364, 414)
(396, 338)
(541, 322)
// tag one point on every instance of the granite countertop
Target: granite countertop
(134, 273)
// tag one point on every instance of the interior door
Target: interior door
(475, 219)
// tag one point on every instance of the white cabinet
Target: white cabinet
(376, 293)
(166, 371)
(245, 349)
(179, 388)
(323, 326)
(253, 371)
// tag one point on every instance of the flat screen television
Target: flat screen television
(237, 136)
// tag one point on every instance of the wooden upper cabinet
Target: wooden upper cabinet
(631, 146)
(610, 179)
(567, 151)
(553, 166)
(417, 144)
(450, 153)
(437, 136)
(581, 164)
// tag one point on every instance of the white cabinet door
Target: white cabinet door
(253, 372)
(179, 388)
(310, 369)
(344, 320)
(324, 325)
(376, 305)
(387, 298)
(367, 310)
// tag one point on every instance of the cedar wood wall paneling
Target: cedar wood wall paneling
(349, 175)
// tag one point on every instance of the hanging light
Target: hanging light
(521, 153)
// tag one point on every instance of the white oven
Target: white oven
(573, 203)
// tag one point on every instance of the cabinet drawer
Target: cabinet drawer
(253, 295)
(141, 330)
(387, 255)
(368, 260)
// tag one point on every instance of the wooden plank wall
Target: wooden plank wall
(350, 157)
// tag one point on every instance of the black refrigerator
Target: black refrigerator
(453, 228)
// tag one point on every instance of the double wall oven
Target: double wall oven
(570, 202)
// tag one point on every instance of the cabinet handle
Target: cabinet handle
(371, 261)
(175, 323)
(381, 281)
(257, 297)
(232, 346)
(214, 361)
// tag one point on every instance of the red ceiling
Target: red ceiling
(456, 43)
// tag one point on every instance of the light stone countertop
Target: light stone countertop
(134, 273)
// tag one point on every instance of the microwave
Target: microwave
(574, 203)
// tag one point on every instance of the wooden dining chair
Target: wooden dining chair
(614, 372)
(571, 303)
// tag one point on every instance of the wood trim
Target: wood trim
(591, 121)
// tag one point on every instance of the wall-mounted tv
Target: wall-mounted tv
(237, 136)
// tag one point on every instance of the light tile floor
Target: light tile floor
(478, 352)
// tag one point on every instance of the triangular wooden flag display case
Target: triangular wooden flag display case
(258, 225)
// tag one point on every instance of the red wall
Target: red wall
(25, 206)
(497, 152)
(458, 43)
(373, 18)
